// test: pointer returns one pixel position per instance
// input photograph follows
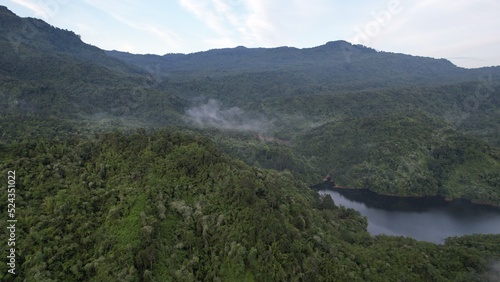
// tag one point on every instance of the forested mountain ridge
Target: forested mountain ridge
(46, 72)
(409, 155)
(169, 206)
(224, 194)
(49, 76)
(335, 62)
(31, 35)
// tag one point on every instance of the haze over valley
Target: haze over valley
(205, 166)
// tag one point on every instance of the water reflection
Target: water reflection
(429, 219)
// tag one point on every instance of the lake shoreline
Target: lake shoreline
(330, 186)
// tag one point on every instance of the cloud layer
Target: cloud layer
(212, 114)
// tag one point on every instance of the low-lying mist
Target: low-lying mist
(213, 114)
(494, 272)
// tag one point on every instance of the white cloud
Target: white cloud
(258, 23)
(221, 42)
(157, 32)
(247, 22)
(213, 114)
(206, 12)
(165, 35)
(43, 10)
(460, 29)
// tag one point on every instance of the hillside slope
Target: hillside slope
(169, 206)
(102, 194)
(338, 63)
(46, 72)
(409, 155)
(52, 83)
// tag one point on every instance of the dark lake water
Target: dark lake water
(429, 219)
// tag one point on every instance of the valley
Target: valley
(198, 167)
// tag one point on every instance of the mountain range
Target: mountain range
(202, 162)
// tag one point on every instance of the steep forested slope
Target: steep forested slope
(406, 155)
(28, 36)
(169, 206)
(49, 72)
(52, 83)
(97, 202)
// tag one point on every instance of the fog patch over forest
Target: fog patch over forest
(213, 114)
(494, 272)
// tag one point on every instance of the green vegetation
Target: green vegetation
(122, 175)
(169, 206)
(406, 155)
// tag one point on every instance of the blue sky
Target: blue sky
(466, 32)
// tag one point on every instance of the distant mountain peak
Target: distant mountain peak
(23, 36)
(337, 43)
(344, 46)
(4, 9)
(6, 16)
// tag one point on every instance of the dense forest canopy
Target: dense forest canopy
(197, 167)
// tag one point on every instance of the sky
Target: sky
(466, 32)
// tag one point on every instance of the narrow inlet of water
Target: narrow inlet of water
(429, 219)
